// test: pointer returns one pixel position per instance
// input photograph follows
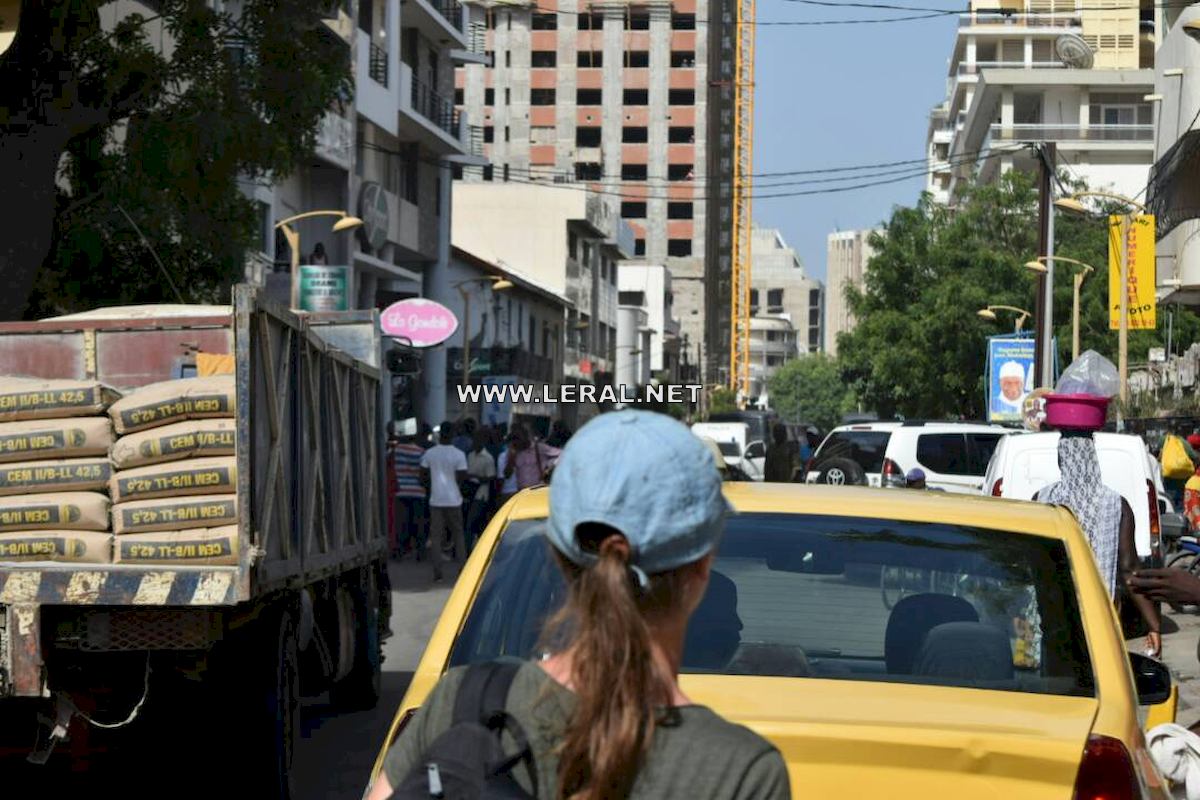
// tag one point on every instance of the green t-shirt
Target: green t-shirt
(695, 754)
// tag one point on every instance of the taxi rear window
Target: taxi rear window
(837, 597)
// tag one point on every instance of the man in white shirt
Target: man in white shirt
(443, 469)
(482, 469)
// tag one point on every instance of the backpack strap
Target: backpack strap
(481, 698)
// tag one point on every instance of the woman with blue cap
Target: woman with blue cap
(636, 513)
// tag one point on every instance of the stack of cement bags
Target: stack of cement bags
(54, 464)
(174, 485)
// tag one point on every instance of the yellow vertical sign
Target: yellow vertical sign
(1139, 286)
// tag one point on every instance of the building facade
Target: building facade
(648, 287)
(1063, 71)
(773, 343)
(779, 287)
(618, 98)
(847, 254)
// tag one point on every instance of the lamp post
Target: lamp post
(989, 313)
(498, 285)
(345, 223)
(1085, 270)
(1072, 204)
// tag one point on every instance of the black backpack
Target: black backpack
(467, 761)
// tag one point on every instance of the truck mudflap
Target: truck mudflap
(60, 584)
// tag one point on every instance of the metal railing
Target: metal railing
(1019, 20)
(452, 10)
(435, 108)
(1091, 133)
(969, 68)
(377, 65)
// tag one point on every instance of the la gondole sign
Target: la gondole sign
(422, 322)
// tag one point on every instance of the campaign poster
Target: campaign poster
(1010, 377)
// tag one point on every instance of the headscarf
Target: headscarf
(1097, 507)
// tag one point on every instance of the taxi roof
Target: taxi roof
(977, 511)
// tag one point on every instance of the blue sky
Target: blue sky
(841, 95)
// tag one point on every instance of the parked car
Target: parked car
(992, 668)
(1024, 465)
(953, 455)
(740, 451)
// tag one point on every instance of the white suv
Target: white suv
(953, 455)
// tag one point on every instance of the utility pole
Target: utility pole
(1044, 309)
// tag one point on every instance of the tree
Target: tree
(919, 349)
(108, 127)
(811, 389)
(722, 400)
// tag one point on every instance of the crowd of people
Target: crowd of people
(448, 483)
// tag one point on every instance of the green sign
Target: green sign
(324, 288)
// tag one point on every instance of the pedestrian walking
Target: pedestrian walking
(529, 459)
(464, 438)
(410, 504)
(481, 471)
(1105, 517)
(782, 463)
(506, 478)
(1191, 501)
(444, 468)
(603, 711)
(915, 479)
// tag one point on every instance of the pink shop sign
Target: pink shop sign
(420, 321)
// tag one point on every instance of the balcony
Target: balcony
(1070, 133)
(335, 140)
(438, 20)
(994, 19)
(452, 11)
(377, 65)
(336, 15)
(974, 68)
(435, 108)
(428, 117)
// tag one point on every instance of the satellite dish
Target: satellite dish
(1073, 51)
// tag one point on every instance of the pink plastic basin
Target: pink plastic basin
(1076, 411)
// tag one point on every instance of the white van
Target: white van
(1025, 464)
(749, 457)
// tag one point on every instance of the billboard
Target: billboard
(1009, 377)
(324, 288)
(1139, 250)
(423, 323)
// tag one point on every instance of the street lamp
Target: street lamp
(498, 284)
(345, 223)
(1072, 205)
(1085, 269)
(989, 313)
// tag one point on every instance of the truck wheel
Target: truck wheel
(282, 687)
(360, 690)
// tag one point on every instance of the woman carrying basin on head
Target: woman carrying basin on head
(636, 513)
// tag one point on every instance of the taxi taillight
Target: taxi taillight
(1106, 771)
(997, 488)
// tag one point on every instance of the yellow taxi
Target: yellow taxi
(891, 643)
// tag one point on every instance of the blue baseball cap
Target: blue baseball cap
(646, 476)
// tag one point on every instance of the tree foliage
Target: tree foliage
(722, 400)
(811, 389)
(919, 348)
(150, 123)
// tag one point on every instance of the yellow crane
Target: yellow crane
(743, 184)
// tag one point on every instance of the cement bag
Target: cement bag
(177, 479)
(207, 547)
(68, 475)
(79, 547)
(160, 404)
(175, 513)
(75, 511)
(192, 439)
(34, 398)
(55, 438)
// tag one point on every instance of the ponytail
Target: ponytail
(620, 688)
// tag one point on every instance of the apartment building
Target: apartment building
(773, 343)
(1072, 72)
(847, 254)
(618, 98)
(780, 288)
(647, 288)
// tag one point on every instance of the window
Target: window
(587, 97)
(591, 22)
(637, 21)
(489, 97)
(680, 172)
(753, 297)
(541, 97)
(679, 248)
(489, 172)
(637, 58)
(508, 97)
(589, 58)
(508, 58)
(814, 316)
(981, 446)
(505, 169)
(544, 21)
(507, 133)
(458, 97)
(681, 97)
(588, 171)
(543, 58)
(636, 97)
(633, 210)
(774, 361)
(587, 137)
(681, 135)
(572, 245)
(778, 579)
(633, 172)
(631, 298)
(944, 453)
(683, 22)
(679, 210)
(1118, 115)
(639, 247)
(865, 448)
(587, 255)
(545, 338)
(775, 298)
(489, 134)
(683, 58)
(635, 135)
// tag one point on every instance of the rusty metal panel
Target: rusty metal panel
(26, 669)
(131, 358)
(43, 355)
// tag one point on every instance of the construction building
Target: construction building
(847, 254)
